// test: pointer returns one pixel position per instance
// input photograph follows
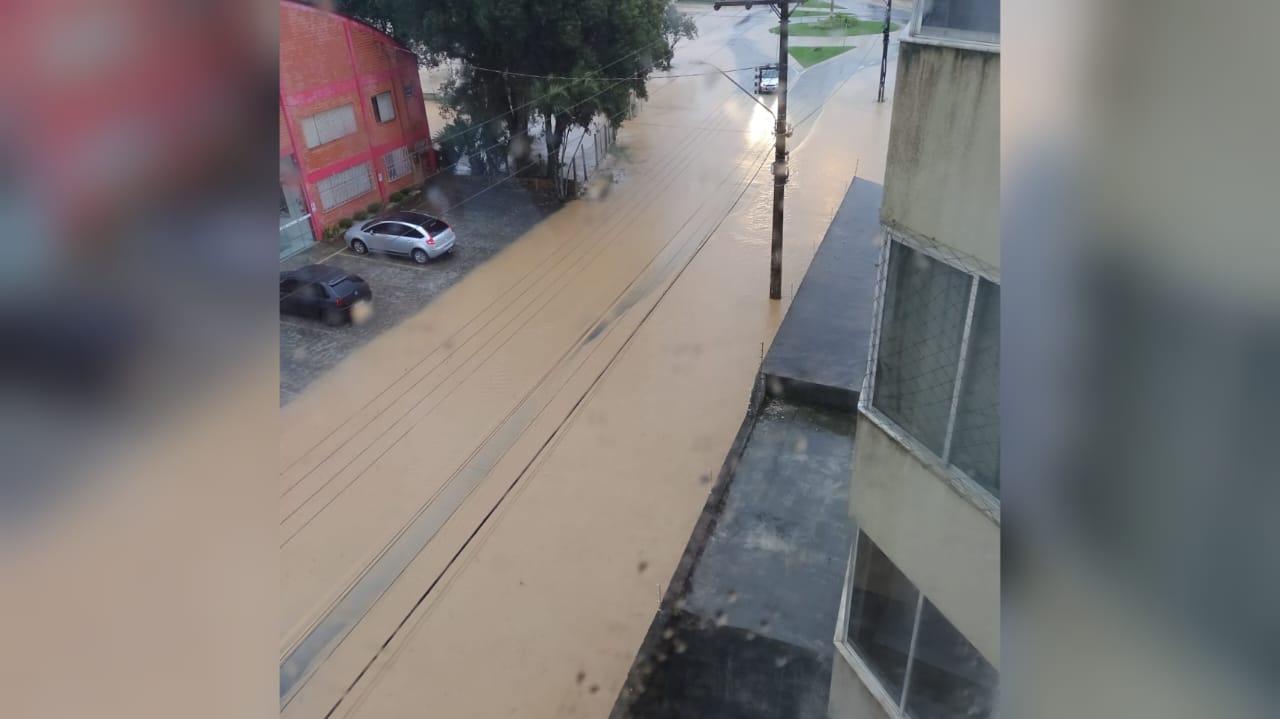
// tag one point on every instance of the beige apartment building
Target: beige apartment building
(918, 633)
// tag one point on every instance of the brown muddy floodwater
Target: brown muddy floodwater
(482, 482)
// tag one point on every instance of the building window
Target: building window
(936, 361)
(383, 108)
(345, 186)
(965, 20)
(922, 662)
(882, 614)
(398, 163)
(329, 125)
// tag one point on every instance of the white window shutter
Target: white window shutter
(310, 132)
(386, 108)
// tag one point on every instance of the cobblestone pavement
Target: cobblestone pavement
(485, 223)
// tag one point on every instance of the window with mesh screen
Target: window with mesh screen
(937, 362)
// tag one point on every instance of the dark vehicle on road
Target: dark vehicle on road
(767, 78)
(326, 293)
(408, 233)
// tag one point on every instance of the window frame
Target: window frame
(960, 39)
(867, 675)
(377, 110)
(968, 487)
(355, 126)
(320, 191)
(895, 708)
(389, 163)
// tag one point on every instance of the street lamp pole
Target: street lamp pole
(783, 10)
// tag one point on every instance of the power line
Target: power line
(524, 131)
(629, 55)
(477, 125)
(638, 50)
(551, 440)
(512, 174)
(444, 212)
(599, 77)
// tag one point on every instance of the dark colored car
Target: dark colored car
(326, 293)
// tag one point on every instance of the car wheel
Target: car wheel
(359, 247)
(332, 317)
(420, 256)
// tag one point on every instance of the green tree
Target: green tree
(551, 62)
(677, 25)
(483, 145)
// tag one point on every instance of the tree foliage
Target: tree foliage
(677, 25)
(545, 64)
(482, 145)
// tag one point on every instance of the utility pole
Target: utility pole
(783, 10)
(884, 56)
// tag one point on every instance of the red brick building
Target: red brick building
(353, 125)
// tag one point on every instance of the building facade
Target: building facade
(353, 124)
(918, 633)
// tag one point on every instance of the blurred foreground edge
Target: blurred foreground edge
(137, 357)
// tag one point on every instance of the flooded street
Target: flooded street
(480, 507)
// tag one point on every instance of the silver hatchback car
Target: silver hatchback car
(408, 233)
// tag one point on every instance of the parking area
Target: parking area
(486, 218)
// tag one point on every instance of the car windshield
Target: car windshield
(434, 226)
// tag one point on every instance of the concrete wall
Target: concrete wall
(944, 544)
(849, 697)
(942, 177)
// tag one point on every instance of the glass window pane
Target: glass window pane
(961, 19)
(975, 445)
(383, 108)
(882, 610)
(949, 678)
(924, 310)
